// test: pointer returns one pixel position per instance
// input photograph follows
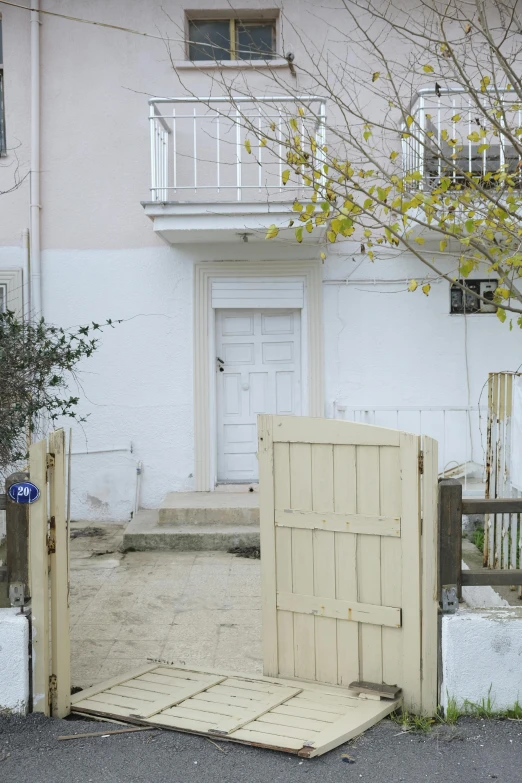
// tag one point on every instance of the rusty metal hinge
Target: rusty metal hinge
(51, 537)
(421, 462)
(53, 686)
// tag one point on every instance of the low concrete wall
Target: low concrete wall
(14, 663)
(482, 656)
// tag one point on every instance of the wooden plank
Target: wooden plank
(324, 564)
(230, 690)
(105, 733)
(164, 702)
(133, 693)
(450, 533)
(98, 707)
(215, 708)
(17, 536)
(282, 731)
(294, 722)
(59, 563)
(298, 429)
(226, 699)
(411, 572)
(491, 576)
(229, 725)
(349, 726)
(183, 676)
(391, 561)
(340, 523)
(187, 724)
(268, 546)
(376, 688)
(303, 712)
(345, 501)
(118, 680)
(369, 562)
(430, 571)
(265, 688)
(265, 739)
(371, 614)
(496, 506)
(302, 559)
(343, 700)
(39, 578)
(285, 620)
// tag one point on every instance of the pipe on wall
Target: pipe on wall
(35, 205)
(26, 271)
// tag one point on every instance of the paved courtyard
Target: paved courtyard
(185, 607)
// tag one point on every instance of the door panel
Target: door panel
(259, 371)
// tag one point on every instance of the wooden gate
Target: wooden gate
(348, 555)
(49, 579)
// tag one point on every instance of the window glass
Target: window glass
(209, 40)
(254, 41)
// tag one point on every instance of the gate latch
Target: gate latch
(450, 599)
(17, 594)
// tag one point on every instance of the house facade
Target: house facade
(125, 196)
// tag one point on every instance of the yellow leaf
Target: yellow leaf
(293, 123)
(503, 292)
(501, 314)
(394, 155)
(482, 148)
(420, 240)
(262, 143)
(376, 76)
(309, 226)
(285, 175)
(427, 68)
(272, 127)
(484, 82)
(455, 118)
(413, 285)
(323, 257)
(367, 232)
(409, 120)
(443, 245)
(301, 111)
(426, 289)
(272, 232)
(297, 207)
(332, 236)
(299, 234)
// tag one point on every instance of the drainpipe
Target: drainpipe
(36, 274)
(26, 289)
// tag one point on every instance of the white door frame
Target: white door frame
(204, 350)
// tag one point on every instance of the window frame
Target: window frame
(258, 18)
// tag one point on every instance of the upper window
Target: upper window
(2, 112)
(231, 39)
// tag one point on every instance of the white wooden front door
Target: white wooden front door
(258, 366)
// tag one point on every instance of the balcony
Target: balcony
(447, 141)
(217, 164)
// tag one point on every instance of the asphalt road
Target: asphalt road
(475, 751)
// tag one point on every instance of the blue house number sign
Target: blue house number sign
(24, 492)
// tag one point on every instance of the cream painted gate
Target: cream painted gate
(349, 594)
(348, 555)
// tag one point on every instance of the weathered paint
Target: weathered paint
(14, 662)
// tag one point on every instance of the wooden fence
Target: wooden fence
(451, 576)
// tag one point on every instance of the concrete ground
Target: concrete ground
(200, 608)
(474, 751)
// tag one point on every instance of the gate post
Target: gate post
(17, 544)
(450, 544)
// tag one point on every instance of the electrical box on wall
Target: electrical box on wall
(464, 302)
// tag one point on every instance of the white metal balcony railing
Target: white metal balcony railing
(439, 119)
(459, 431)
(198, 146)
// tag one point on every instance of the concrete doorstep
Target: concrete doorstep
(196, 521)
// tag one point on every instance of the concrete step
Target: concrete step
(209, 508)
(144, 533)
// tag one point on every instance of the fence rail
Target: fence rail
(211, 147)
(451, 575)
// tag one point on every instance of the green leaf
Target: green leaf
(427, 68)
(409, 121)
(272, 232)
(375, 76)
(470, 226)
(248, 146)
(482, 148)
(501, 314)
(285, 176)
(299, 234)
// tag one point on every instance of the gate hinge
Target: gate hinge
(449, 599)
(50, 461)
(53, 685)
(421, 462)
(51, 537)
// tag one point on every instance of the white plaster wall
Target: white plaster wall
(14, 661)
(481, 657)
